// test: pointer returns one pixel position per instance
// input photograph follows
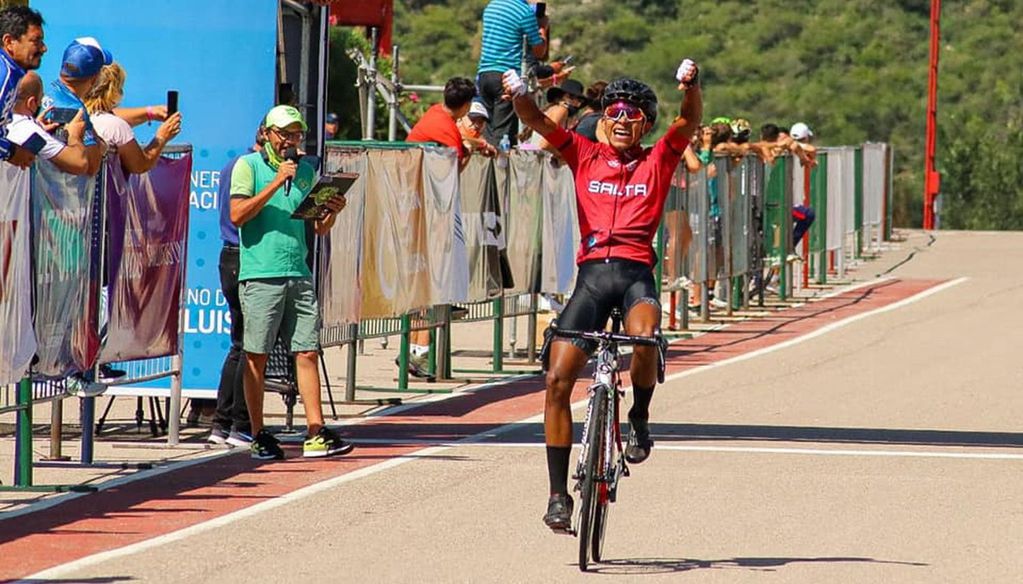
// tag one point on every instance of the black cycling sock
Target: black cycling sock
(557, 468)
(641, 397)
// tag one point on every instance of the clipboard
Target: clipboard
(328, 187)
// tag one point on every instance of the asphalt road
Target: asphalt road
(886, 450)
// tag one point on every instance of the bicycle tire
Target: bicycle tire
(603, 504)
(594, 452)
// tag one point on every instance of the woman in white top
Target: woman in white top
(116, 132)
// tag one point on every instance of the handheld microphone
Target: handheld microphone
(292, 155)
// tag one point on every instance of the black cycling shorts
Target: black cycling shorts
(600, 286)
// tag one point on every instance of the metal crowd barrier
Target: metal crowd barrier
(750, 240)
(36, 387)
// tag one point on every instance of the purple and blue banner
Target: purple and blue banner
(147, 227)
(220, 56)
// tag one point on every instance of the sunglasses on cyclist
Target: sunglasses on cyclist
(623, 111)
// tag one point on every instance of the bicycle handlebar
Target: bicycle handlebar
(653, 341)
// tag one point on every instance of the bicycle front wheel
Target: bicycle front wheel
(595, 441)
(603, 500)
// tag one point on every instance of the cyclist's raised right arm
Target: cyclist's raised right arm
(525, 107)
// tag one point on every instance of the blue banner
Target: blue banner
(220, 56)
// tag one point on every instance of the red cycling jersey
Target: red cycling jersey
(619, 197)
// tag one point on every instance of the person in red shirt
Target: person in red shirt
(621, 189)
(440, 124)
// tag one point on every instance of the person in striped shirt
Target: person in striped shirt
(505, 24)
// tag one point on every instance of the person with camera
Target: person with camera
(621, 188)
(79, 70)
(21, 37)
(275, 283)
(25, 128)
(104, 97)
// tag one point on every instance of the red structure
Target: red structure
(373, 13)
(932, 179)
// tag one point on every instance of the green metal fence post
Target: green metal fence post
(498, 334)
(431, 355)
(403, 351)
(23, 442)
(819, 230)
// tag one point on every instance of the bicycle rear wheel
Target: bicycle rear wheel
(595, 438)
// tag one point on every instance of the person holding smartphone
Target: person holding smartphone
(80, 67)
(105, 96)
(26, 131)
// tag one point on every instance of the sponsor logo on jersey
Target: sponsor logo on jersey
(597, 187)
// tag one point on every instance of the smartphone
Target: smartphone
(567, 60)
(62, 115)
(541, 10)
(34, 143)
(172, 102)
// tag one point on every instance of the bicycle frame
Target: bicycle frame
(607, 386)
(598, 471)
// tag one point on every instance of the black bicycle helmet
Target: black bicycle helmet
(635, 92)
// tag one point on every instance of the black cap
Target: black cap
(568, 87)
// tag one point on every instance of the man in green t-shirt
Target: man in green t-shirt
(276, 287)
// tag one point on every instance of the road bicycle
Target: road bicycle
(602, 462)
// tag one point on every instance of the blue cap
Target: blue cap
(84, 58)
(332, 118)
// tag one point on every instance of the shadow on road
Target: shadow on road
(640, 566)
(532, 433)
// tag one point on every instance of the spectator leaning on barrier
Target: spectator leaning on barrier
(21, 34)
(440, 124)
(505, 23)
(80, 67)
(471, 126)
(802, 215)
(621, 189)
(276, 286)
(231, 420)
(563, 103)
(70, 157)
(106, 95)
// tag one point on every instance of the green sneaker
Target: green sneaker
(326, 442)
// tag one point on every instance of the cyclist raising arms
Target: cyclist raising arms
(621, 188)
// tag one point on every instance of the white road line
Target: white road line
(64, 569)
(157, 470)
(734, 449)
(60, 571)
(821, 331)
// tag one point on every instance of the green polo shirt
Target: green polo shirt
(272, 243)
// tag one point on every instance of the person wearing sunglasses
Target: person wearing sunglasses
(621, 188)
(275, 289)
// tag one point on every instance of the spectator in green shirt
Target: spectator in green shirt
(276, 287)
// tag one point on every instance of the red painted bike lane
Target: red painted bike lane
(158, 505)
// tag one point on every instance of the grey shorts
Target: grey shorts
(280, 306)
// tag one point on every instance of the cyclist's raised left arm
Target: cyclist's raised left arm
(691, 111)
